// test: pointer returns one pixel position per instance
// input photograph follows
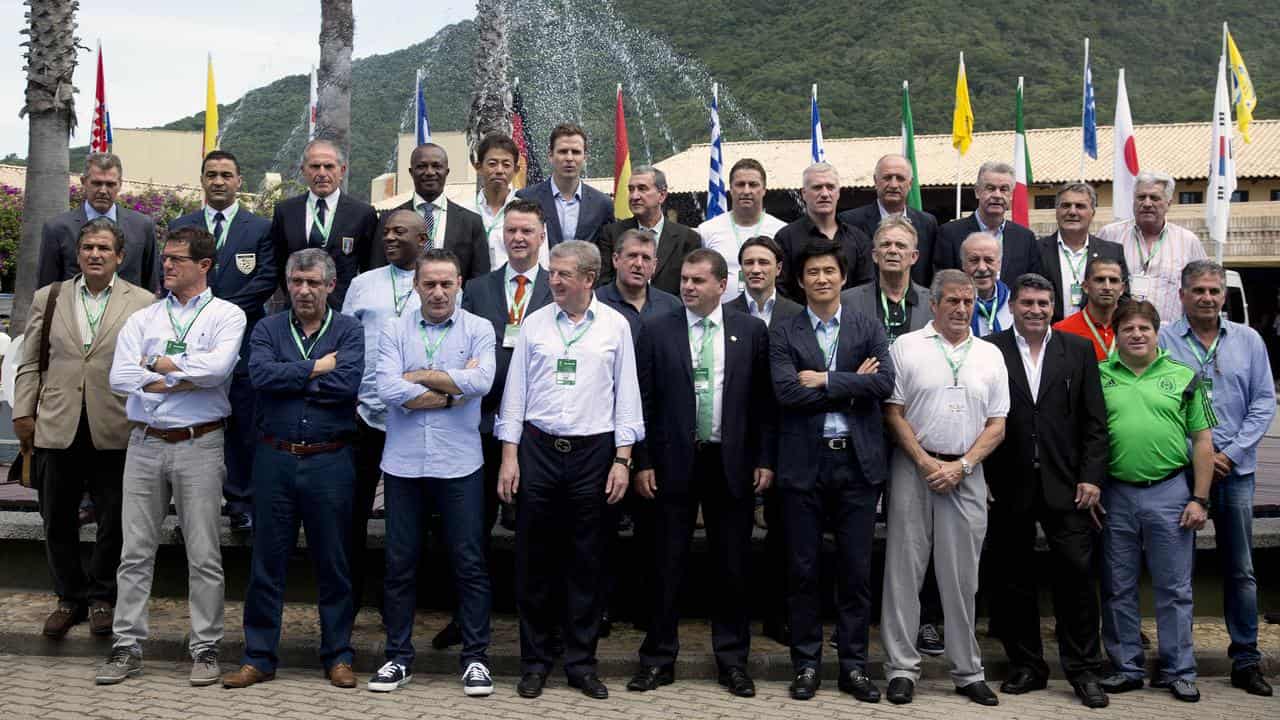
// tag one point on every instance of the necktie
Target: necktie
(429, 216)
(218, 219)
(707, 367)
(316, 238)
(517, 309)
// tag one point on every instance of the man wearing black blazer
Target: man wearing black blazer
(461, 230)
(761, 261)
(573, 209)
(646, 192)
(821, 194)
(1019, 249)
(245, 275)
(325, 217)
(831, 370)
(893, 178)
(1065, 255)
(60, 236)
(1049, 469)
(704, 383)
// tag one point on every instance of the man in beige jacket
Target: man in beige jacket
(76, 425)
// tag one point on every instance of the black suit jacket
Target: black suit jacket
(463, 236)
(486, 296)
(783, 309)
(796, 236)
(793, 346)
(1063, 433)
(1021, 252)
(1051, 264)
(665, 371)
(350, 238)
(867, 219)
(596, 211)
(60, 249)
(676, 241)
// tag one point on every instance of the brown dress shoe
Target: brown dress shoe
(244, 677)
(341, 675)
(61, 620)
(101, 617)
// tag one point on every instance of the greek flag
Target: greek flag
(815, 143)
(1089, 115)
(717, 202)
(420, 112)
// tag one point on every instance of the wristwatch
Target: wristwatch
(151, 362)
(624, 462)
(965, 466)
(1202, 502)
(448, 400)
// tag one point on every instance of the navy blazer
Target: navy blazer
(867, 219)
(486, 296)
(595, 213)
(866, 300)
(793, 346)
(464, 236)
(783, 307)
(350, 238)
(677, 241)
(664, 368)
(1021, 252)
(60, 249)
(1052, 265)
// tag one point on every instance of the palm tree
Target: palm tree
(491, 94)
(50, 108)
(333, 79)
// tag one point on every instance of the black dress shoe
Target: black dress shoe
(448, 636)
(1023, 681)
(590, 686)
(530, 685)
(1251, 681)
(806, 684)
(901, 691)
(241, 522)
(857, 684)
(606, 625)
(738, 682)
(651, 677)
(1090, 692)
(778, 631)
(1117, 683)
(979, 693)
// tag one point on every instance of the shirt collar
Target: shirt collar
(930, 330)
(555, 191)
(482, 207)
(330, 202)
(977, 217)
(80, 283)
(816, 321)
(910, 295)
(424, 322)
(441, 202)
(656, 229)
(227, 214)
(590, 313)
(1182, 327)
(196, 301)
(91, 213)
(716, 317)
(884, 213)
(509, 273)
(768, 303)
(1023, 343)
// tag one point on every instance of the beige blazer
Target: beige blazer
(74, 372)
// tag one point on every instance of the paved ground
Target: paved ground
(62, 688)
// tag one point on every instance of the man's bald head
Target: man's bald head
(892, 178)
(403, 234)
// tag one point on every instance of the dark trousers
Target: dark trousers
(368, 460)
(1011, 565)
(773, 583)
(314, 492)
(64, 476)
(560, 541)
(843, 498)
(728, 521)
(240, 444)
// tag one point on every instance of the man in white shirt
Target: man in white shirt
(726, 233)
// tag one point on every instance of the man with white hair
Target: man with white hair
(980, 259)
(821, 195)
(1155, 250)
(1018, 248)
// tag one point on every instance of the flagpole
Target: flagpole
(1084, 101)
(1219, 245)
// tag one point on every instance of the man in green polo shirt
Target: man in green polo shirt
(1154, 403)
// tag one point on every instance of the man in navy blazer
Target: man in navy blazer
(1019, 249)
(893, 178)
(244, 274)
(831, 370)
(573, 209)
(325, 217)
(1065, 255)
(647, 191)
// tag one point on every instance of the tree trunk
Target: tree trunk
(333, 78)
(50, 111)
(491, 94)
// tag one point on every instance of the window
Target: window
(1193, 197)
(1240, 196)
(1044, 202)
(1275, 195)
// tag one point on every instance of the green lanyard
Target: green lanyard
(1205, 358)
(1145, 262)
(576, 336)
(709, 331)
(396, 299)
(93, 320)
(901, 304)
(327, 225)
(482, 207)
(990, 316)
(180, 331)
(1070, 258)
(227, 215)
(429, 347)
(297, 339)
(1097, 335)
(955, 365)
(829, 352)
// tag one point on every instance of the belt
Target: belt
(944, 457)
(561, 443)
(1144, 484)
(836, 443)
(705, 445)
(176, 435)
(303, 449)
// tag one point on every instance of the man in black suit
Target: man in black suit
(892, 297)
(326, 218)
(1050, 468)
(60, 236)
(761, 261)
(646, 192)
(704, 384)
(573, 209)
(893, 178)
(994, 190)
(831, 370)
(449, 225)
(821, 194)
(1064, 255)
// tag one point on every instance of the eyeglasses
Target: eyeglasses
(175, 259)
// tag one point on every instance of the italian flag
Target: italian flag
(621, 162)
(1021, 166)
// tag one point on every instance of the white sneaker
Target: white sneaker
(391, 676)
(476, 681)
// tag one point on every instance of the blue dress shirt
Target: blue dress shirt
(834, 424)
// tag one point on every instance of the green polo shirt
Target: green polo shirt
(1150, 416)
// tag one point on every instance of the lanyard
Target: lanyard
(396, 299)
(1097, 335)
(1206, 358)
(497, 221)
(1069, 256)
(954, 364)
(576, 336)
(709, 331)
(515, 312)
(227, 216)
(431, 348)
(901, 304)
(94, 320)
(180, 331)
(829, 352)
(990, 315)
(327, 225)
(297, 339)
(1155, 247)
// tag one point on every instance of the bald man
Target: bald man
(893, 178)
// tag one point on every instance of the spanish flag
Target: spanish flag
(1242, 95)
(621, 162)
(962, 119)
(210, 115)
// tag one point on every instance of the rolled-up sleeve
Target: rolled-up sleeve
(212, 368)
(128, 376)
(628, 410)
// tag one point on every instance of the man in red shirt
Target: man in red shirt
(1104, 284)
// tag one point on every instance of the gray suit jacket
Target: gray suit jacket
(866, 297)
(59, 251)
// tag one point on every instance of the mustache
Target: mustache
(982, 274)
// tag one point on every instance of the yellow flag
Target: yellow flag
(210, 115)
(1241, 88)
(962, 119)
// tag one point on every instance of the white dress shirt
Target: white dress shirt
(1032, 367)
(717, 373)
(726, 237)
(374, 297)
(1071, 267)
(439, 209)
(97, 305)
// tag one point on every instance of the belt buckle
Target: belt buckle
(838, 443)
(562, 445)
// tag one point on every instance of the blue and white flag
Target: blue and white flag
(717, 202)
(1089, 115)
(420, 112)
(815, 119)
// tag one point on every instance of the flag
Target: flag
(909, 149)
(529, 170)
(1222, 167)
(210, 114)
(1089, 113)
(311, 107)
(1125, 167)
(815, 120)
(1021, 165)
(421, 123)
(621, 162)
(1242, 95)
(962, 118)
(717, 201)
(100, 134)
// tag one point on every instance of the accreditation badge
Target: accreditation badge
(566, 371)
(246, 262)
(1077, 295)
(1206, 384)
(1140, 287)
(348, 245)
(701, 380)
(174, 347)
(510, 335)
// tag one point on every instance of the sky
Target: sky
(154, 52)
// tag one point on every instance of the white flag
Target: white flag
(1125, 156)
(1222, 166)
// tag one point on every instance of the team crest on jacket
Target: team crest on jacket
(246, 262)
(348, 245)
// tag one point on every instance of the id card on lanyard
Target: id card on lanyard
(955, 400)
(567, 367)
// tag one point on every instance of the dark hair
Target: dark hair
(1136, 308)
(765, 242)
(219, 155)
(749, 164)
(704, 255)
(1100, 260)
(437, 255)
(497, 141)
(566, 129)
(822, 248)
(200, 243)
(527, 207)
(1030, 281)
(102, 225)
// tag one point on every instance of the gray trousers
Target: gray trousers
(191, 473)
(951, 526)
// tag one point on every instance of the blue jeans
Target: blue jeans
(460, 502)
(1143, 523)
(1232, 502)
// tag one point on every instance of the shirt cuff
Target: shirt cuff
(508, 431)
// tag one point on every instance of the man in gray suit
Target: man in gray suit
(59, 251)
(898, 303)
